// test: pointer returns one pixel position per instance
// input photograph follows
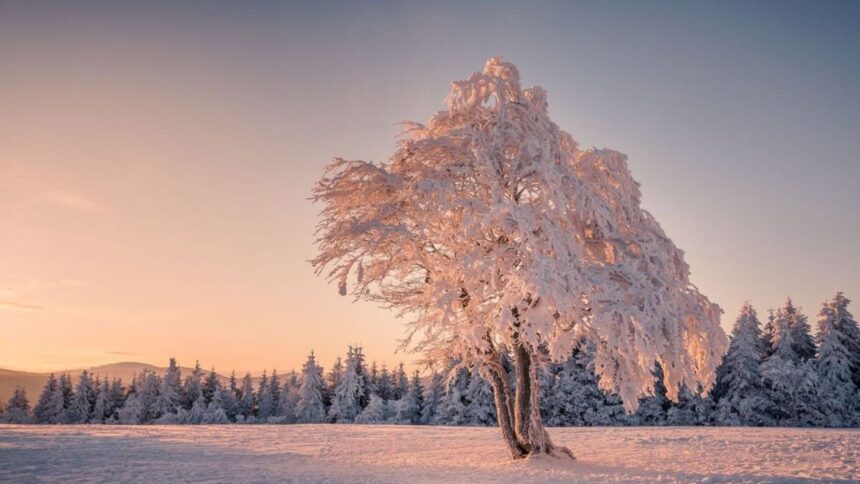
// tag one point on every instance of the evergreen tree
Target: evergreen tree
(801, 337)
(839, 394)
(193, 388)
(779, 372)
(211, 384)
(738, 393)
(384, 384)
(375, 412)
(265, 404)
(454, 407)
(117, 397)
(275, 391)
(45, 412)
(653, 408)
(215, 413)
(310, 407)
(432, 399)
(83, 401)
(408, 408)
(401, 383)
(346, 401)
(849, 331)
(170, 398)
(246, 398)
(332, 381)
(17, 409)
(102, 410)
(482, 407)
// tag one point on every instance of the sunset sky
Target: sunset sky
(156, 161)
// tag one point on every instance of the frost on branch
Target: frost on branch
(489, 228)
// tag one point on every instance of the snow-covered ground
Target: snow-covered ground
(357, 453)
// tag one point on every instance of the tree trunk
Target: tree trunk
(495, 373)
(523, 396)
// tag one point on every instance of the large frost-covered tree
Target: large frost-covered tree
(494, 233)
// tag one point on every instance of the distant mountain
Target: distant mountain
(33, 382)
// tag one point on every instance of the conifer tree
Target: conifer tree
(44, 412)
(801, 336)
(17, 410)
(481, 409)
(246, 398)
(211, 384)
(850, 332)
(346, 401)
(102, 410)
(310, 407)
(839, 395)
(275, 391)
(376, 412)
(193, 388)
(454, 407)
(653, 408)
(409, 407)
(170, 398)
(738, 393)
(432, 399)
(83, 401)
(264, 399)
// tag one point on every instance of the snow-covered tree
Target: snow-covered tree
(384, 384)
(346, 401)
(265, 403)
(170, 398)
(407, 410)
(738, 393)
(211, 385)
(432, 399)
(849, 331)
(481, 409)
(496, 234)
(454, 409)
(839, 397)
(310, 407)
(400, 383)
(801, 336)
(332, 381)
(215, 413)
(275, 392)
(17, 409)
(653, 408)
(245, 406)
(375, 412)
(103, 408)
(83, 400)
(193, 387)
(44, 412)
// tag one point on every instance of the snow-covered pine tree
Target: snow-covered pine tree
(44, 412)
(83, 401)
(432, 399)
(102, 410)
(215, 413)
(384, 384)
(481, 409)
(346, 401)
(848, 328)
(332, 381)
(802, 342)
(376, 412)
(738, 391)
(275, 391)
(310, 407)
(839, 398)
(408, 409)
(193, 388)
(492, 186)
(454, 408)
(400, 384)
(265, 404)
(653, 408)
(779, 372)
(17, 409)
(211, 384)
(768, 340)
(117, 397)
(170, 397)
(246, 399)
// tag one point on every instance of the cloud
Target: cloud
(121, 353)
(16, 305)
(75, 202)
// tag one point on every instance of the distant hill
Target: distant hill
(33, 382)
